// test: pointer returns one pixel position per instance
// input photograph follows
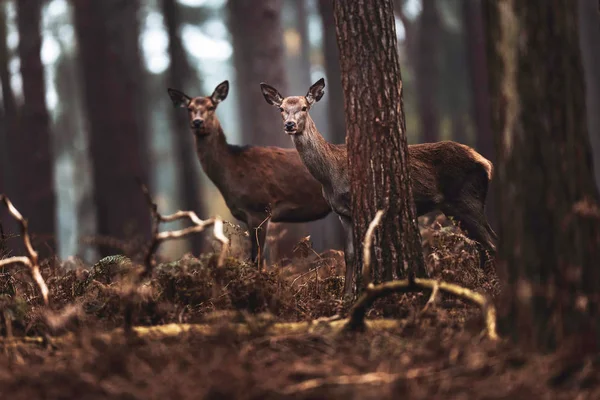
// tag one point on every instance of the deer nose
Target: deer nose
(197, 123)
(290, 126)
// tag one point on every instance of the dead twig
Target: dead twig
(32, 258)
(367, 247)
(198, 226)
(258, 258)
(372, 293)
(370, 378)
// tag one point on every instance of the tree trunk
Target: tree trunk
(549, 217)
(259, 56)
(107, 33)
(377, 147)
(31, 143)
(427, 72)
(334, 237)
(589, 31)
(180, 74)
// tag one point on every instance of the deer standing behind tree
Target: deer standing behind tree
(446, 176)
(255, 181)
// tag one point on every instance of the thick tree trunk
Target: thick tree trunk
(259, 57)
(377, 147)
(180, 73)
(427, 72)
(549, 217)
(480, 97)
(107, 33)
(589, 32)
(31, 143)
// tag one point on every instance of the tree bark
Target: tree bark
(427, 72)
(549, 217)
(377, 147)
(480, 97)
(107, 33)
(589, 38)
(31, 143)
(180, 74)
(259, 56)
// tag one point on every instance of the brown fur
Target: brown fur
(446, 176)
(251, 179)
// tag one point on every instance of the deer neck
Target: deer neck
(316, 153)
(215, 155)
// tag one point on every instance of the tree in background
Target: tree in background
(259, 56)
(549, 217)
(31, 140)
(107, 33)
(589, 36)
(7, 115)
(427, 71)
(377, 147)
(179, 76)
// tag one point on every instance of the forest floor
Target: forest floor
(246, 334)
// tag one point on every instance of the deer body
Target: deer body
(255, 182)
(446, 176)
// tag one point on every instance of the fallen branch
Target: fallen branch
(367, 247)
(372, 293)
(159, 237)
(370, 378)
(32, 258)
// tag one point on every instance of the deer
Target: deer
(259, 184)
(446, 176)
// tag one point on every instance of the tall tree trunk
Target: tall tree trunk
(589, 38)
(480, 97)
(377, 147)
(8, 123)
(180, 74)
(332, 69)
(259, 56)
(107, 33)
(427, 72)
(31, 144)
(549, 217)
(334, 234)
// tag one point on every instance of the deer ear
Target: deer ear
(316, 91)
(178, 98)
(272, 96)
(220, 92)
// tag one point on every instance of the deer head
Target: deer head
(201, 110)
(294, 109)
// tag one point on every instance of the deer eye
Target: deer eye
(280, 109)
(304, 108)
(210, 108)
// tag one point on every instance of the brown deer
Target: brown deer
(254, 181)
(447, 176)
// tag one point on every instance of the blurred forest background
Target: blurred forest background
(85, 108)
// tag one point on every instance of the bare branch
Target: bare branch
(32, 258)
(159, 237)
(367, 247)
(358, 311)
(370, 378)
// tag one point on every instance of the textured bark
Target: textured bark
(31, 143)
(427, 72)
(377, 147)
(180, 73)
(589, 35)
(259, 56)
(480, 97)
(107, 34)
(549, 217)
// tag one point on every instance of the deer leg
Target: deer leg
(473, 221)
(348, 254)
